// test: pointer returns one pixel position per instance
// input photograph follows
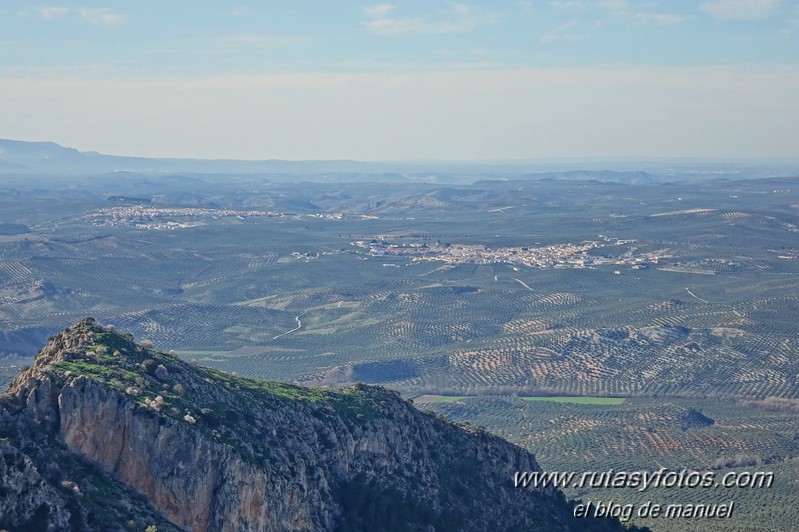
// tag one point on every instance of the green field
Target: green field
(579, 400)
(428, 399)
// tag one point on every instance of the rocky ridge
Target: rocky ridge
(104, 434)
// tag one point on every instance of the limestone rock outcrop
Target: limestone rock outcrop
(104, 434)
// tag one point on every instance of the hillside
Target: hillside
(104, 434)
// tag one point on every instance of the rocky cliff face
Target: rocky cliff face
(105, 434)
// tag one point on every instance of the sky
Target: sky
(412, 80)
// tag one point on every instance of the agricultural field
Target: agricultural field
(696, 295)
(646, 434)
(582, 400)
(673, 345)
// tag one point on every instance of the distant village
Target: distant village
(149, 217)
(553, 256)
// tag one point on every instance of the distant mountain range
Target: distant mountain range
(49, 157)
(19, 158)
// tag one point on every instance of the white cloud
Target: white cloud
(462, 19)
(625, 10)
(657, 18)
(100, 16)
(568, 5)
(265, 40)
(379, 10)
(563, 33)
(97, 16)
(740, 9)
(620, 9)
(566, 26)
(614, 5)
(461, 9)
(50, 13)
(525, 5)
(394, 26)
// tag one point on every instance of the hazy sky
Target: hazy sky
(411, 80)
